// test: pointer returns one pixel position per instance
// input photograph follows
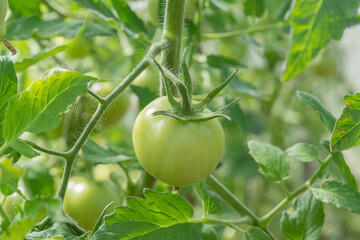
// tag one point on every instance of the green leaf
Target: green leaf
(346, 133)
(305, 220)
(10, 175)
(272, 160)
(243, 87)
(222, 62)
(38, 108)
(145, 95)
(255, 233)
(8, 88)
(29, 61)
(212, 202)
(99, 155)
(56, 231)
(128, 18)
(97, 7)
(24, 8)
(54, 209)
(314, 23)
(160, 216)
(344, 169)
(34, 26)
(339, 195)
(254, 7)
(23, 148)
(315, 104)
(303, 152)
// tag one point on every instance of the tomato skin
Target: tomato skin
(175, 152)
(117, 109)
(80, 49)
(85, 200)
(149, 78)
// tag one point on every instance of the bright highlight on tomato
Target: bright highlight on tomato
(176, 152)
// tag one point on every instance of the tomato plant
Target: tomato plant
(86, 199)
(184, 158)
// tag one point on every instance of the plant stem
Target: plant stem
(207, 36)
(284, 187)
(72, 153)
(4, 214)
(45, 150)
(230, 199)
(266, 218)
(65, 178)
(173, 32)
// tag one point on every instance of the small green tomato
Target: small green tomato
(176, 152)
(85, 200)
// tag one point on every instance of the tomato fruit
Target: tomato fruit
(81, 49)
(149, 78)
(117, 109)
(176, 152)
(85, 200)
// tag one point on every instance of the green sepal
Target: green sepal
(197, 117)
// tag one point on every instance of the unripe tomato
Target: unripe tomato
(85, 200)
(11, 203)
(117, 109)
(178, 153)
(80, 49)
(149, 78)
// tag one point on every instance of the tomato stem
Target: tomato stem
(173, 32)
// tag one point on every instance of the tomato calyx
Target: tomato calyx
(185, 109)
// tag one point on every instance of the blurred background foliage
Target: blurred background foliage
(269, 109)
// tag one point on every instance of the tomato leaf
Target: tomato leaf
(99, 155)
(97, 7)
(24, 8)
(160, 216)
(38, 108)
(128, 18)
(56, 231)
(23, 148)
(212, 202)
(145, 95)
(8, 88)
(315, 104)
(255, 233)
(344, 169)
(339, 195)
(10, 175)
(303, 152)
(254, 7)
(306, 219)
(346, 133)
(272, 160)
(24, 28)
(29, 61)
(314, 23)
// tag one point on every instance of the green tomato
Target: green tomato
(80, 49)
(11, 203)
(118, 108)
(149, 78)
(85, 200)
(178, 153)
